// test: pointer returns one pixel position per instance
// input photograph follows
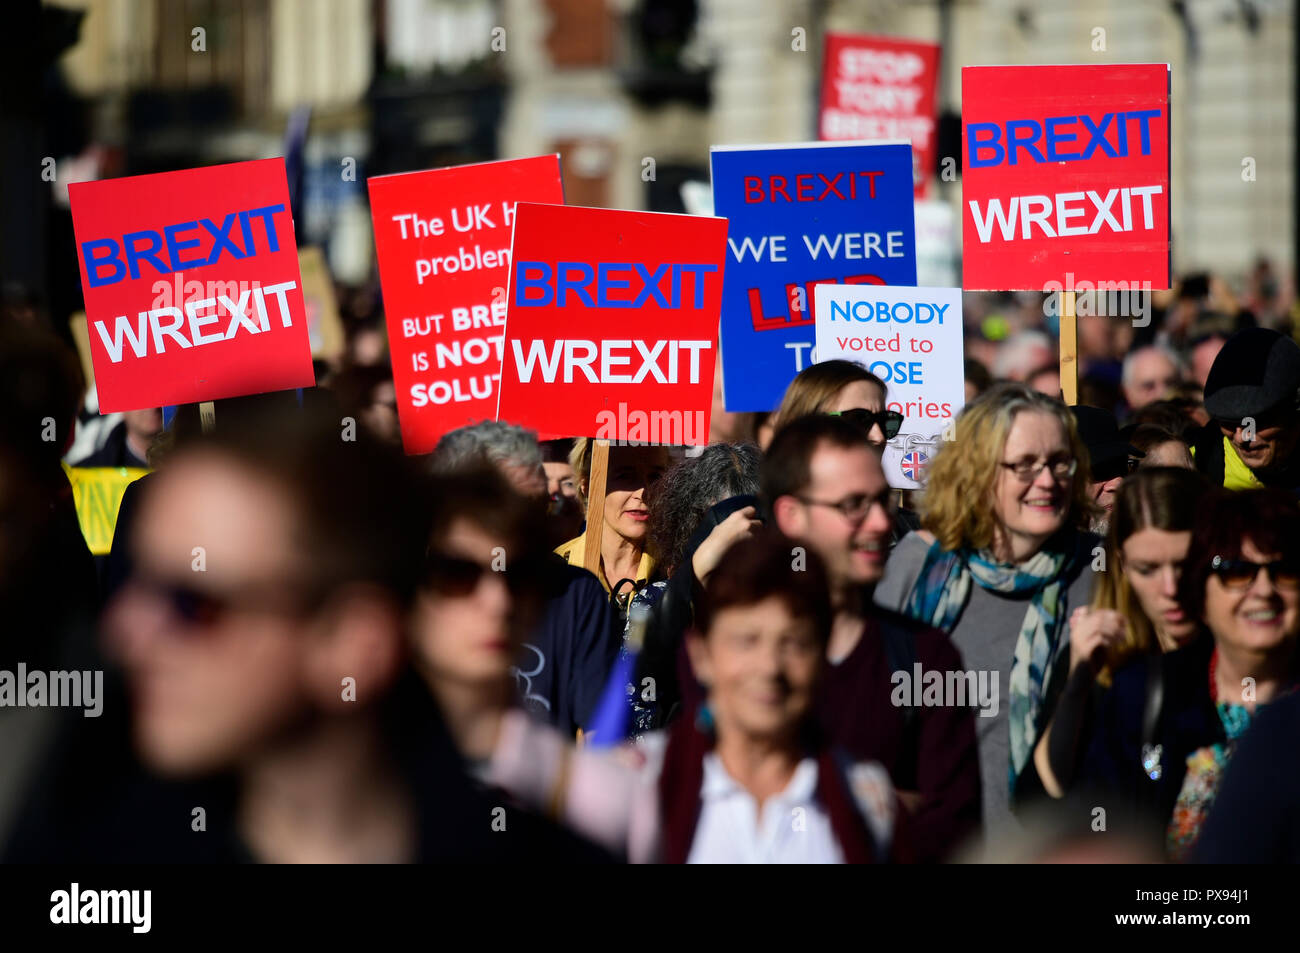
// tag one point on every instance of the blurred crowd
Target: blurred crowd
(1076, 642)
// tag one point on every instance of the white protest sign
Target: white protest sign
(911, 338)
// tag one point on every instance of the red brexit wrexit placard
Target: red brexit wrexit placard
(191, 284)
(443, 242)
(876, 87)
(1065, 177)
(612, 324)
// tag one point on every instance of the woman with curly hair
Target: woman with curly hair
(1002, 557)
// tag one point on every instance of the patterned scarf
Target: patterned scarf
(940, 595)
(1205, 768)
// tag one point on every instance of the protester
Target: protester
(1174, 415)
(512, 450)
(1001, 561)
(1149, 374)
(1159, 447)
(561, 663)
(824, 484)
(1110, 458)
(1253, 819)
(366, 394)
(487, 570)
(626, 564)
(262, 638)
(721, 784)
(978, 379)
(841, 387)
(1204, 349)
(128, 443)
(1023, 354)
(564, 515)
(700, 507)
(1166, 731)
(1253, 397)
(1135, 609)
(40, 391)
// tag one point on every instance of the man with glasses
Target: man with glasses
(824, 485)
(1111, 458)
(1252, 394)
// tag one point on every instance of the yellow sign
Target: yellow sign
(324, 325)
(97, 492)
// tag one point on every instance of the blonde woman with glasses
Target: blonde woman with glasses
(1001, 559)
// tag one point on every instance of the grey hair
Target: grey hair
(1013, 354)
(491, 441)
(685, 493)
(1130, 361)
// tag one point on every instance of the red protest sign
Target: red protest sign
(875, 87)
(1065, 177)
(612, 323)
(191, 284)
(443, 242)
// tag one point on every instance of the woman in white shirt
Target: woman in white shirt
(745, 777)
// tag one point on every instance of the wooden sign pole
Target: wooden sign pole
(595, 505)
(1069, 350)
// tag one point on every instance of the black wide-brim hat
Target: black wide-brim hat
(1258, 370)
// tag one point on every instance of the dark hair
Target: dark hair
(556, 451)
(483, 497)
(685, 493)
(978, 374)
(786, 465)
(1269, 518)
(40, 384)
(1146, 436)
(1170, 415)
(768, 564)
(360, 512)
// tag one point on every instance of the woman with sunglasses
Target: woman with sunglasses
(486, 576)
(999, 563)
(1167, 729)
(1135, 610)
(845, 388)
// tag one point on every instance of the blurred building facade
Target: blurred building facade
(631, 93)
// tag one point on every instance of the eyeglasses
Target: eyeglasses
(853, 508)
(1241, 573)
(456, 576)
(890, 421)
(1027, 471)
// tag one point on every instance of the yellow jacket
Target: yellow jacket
(574, 553)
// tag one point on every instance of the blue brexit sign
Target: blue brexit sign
(801, 216)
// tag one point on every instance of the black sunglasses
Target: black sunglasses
(890, 421)
(456, 576)
(1240, 573)
(203, 609)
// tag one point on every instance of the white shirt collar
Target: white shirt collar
(719, 784)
